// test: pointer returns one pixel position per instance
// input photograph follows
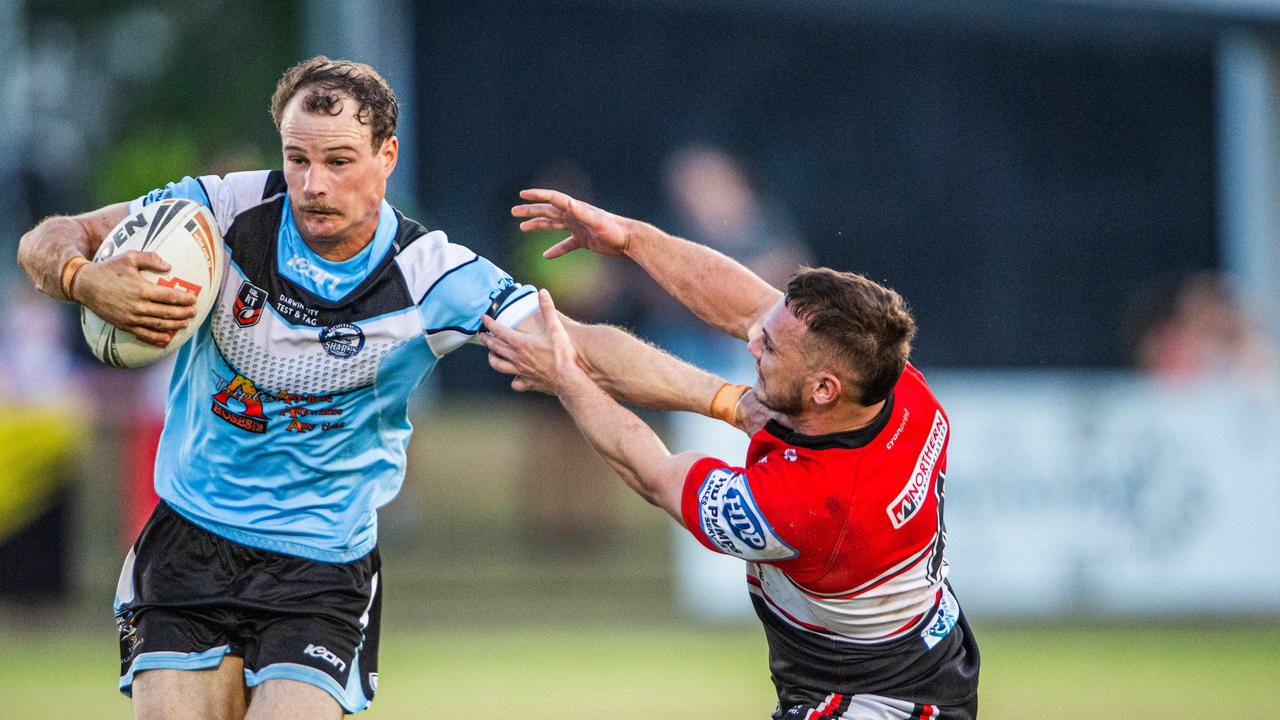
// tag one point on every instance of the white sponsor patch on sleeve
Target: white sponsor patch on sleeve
(731, 519)
(916, 491)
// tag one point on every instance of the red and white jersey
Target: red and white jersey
(843, 533)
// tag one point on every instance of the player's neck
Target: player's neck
(842, 417)
(341, 248)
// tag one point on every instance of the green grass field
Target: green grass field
(1148, 670)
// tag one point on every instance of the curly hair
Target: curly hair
(866, 327)
(325, 81)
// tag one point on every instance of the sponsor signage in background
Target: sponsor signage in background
(1107, 493)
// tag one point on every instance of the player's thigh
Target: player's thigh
(292, 700)
(211, 694)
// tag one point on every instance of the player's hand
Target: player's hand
(750, 414)
(543, 361)
(599, 231)
(116, 292)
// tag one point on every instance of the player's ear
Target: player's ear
(389, 153)
(826, 388)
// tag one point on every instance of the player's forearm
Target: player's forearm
(626, 443)
(44, 251)
(46, 248)
(720, 290)
(636, 372)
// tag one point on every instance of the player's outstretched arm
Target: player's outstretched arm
(636, 372)
(56, 256)
(548, 361)
(720, 290)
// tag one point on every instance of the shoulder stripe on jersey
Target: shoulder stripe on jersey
(208, 199)
(274, 185)
(444, 275)
(453, 328)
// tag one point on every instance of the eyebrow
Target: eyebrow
(330, 149)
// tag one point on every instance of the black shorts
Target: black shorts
(187, 598)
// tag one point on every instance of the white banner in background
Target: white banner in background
(1095, 492)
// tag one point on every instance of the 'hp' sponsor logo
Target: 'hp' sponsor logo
(320, 651)
(743, 522)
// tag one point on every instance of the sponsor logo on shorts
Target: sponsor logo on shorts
(320, 651)
(343, 340)
(732, 520)
(249, 304)
(239, 402)
(941, 624)
(916, 491)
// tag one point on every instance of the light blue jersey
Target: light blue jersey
(286, 424)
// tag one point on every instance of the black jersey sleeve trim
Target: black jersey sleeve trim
(455, 328)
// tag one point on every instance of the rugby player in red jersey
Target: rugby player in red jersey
(838, 507)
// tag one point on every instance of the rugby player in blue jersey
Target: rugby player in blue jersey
(253, 591)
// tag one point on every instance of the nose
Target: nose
(315, 181)
(756, 346)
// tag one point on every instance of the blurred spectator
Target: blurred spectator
(567, 493)
(40, 422)
(1201, 332)
(713, 201)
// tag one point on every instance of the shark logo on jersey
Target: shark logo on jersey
(343, 340)
(732, 520)
(249, 304)
(244, 393)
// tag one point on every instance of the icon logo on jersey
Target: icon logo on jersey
(789, 454)
(320, 651)
(912, 497)
(243, 392)
(732, 521)
(315, 273)
(742, 519)
(249, 304)
(343, 340)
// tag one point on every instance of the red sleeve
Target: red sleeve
(735, 511)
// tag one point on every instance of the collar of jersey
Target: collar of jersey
(302, 266)
(847, 439)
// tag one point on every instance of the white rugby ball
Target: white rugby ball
(186, 235)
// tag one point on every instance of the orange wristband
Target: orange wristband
(69, 271)
(724, 404)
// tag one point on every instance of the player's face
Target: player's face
(336, 181)
(780, 362)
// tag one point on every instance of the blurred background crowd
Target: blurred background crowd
(1080, 200)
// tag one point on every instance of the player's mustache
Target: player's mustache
(319, 208)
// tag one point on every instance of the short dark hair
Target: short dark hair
(866, 327)
(323, 79)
